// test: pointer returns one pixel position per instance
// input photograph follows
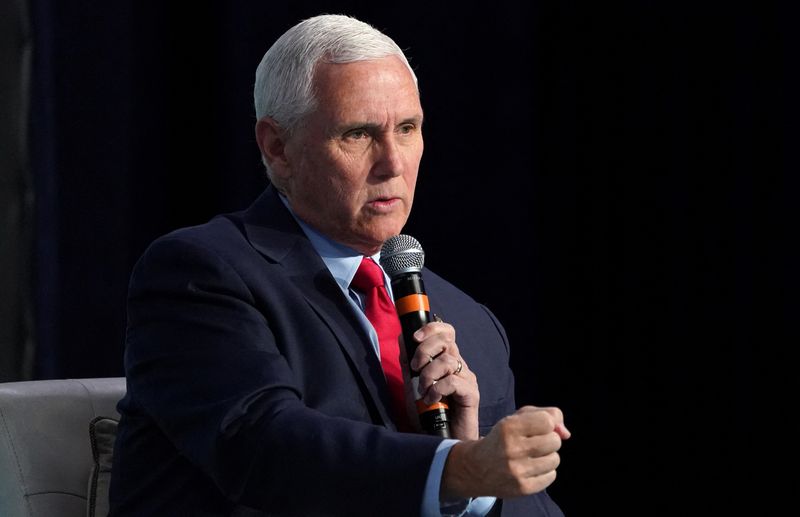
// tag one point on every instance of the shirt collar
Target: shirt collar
(342, 261)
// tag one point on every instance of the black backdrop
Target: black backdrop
(614, 181)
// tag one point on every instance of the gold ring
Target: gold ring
(459, 368)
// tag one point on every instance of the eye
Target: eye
(357, 134)
(407, 129)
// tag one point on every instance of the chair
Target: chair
(46, 458)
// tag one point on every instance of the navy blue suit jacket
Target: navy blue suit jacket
(251, 384)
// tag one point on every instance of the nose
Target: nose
(389, 160)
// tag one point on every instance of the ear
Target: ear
(271, 140)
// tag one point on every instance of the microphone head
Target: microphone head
(402, 254)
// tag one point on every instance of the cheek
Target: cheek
(318, 178)
(349, 176)
(414, 159)
(411, 178)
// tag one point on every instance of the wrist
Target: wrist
(465, 426)
(458, 477)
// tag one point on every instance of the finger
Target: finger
(535, 484)
(422, 359)
(442, 366)
(435, 342)
(462, 391)
(563, 432)
(531, 421)
(555, 413)
(540, 465)
(558, 415)
(442, 331)
(541, 445)
(461, 366)
(529, 476)
(435, 327)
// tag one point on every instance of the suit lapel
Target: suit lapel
(272, 230)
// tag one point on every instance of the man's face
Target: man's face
(351, 168)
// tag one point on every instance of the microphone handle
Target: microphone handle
(413, 309)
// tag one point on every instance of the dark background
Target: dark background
(615, 180)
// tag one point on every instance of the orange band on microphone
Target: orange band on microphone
(422, 407)
(412, 303)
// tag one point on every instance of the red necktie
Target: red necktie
(380, 311)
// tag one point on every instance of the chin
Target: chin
(375, 235)
(389, 233)
(372, 243)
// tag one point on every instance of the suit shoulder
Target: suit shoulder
(192, 249)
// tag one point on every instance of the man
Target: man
(257, 381)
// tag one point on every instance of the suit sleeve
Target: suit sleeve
(202, 362)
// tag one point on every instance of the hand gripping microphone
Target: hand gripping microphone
(402, 259)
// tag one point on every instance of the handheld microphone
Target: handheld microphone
(402, 259)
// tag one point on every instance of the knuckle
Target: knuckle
(545, 421)
(556, 441)
(547, 443)
(547, 463)
(506, 427)
(556, 459)
(540, 446)
(556, 413)
(435, 386)
(512, 421)
(507, 448)
(425, 377)
(539, 483)
(516, 471)
(521, 486)
(547, 479)
(529, 486)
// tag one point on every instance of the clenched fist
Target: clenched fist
(518, 457)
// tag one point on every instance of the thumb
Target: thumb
(558, 417)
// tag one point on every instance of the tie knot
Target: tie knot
(368, 276)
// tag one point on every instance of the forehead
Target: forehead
(366, 89)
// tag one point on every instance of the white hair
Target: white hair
(284, 79)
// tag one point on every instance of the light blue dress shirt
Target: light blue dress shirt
(343, 262)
